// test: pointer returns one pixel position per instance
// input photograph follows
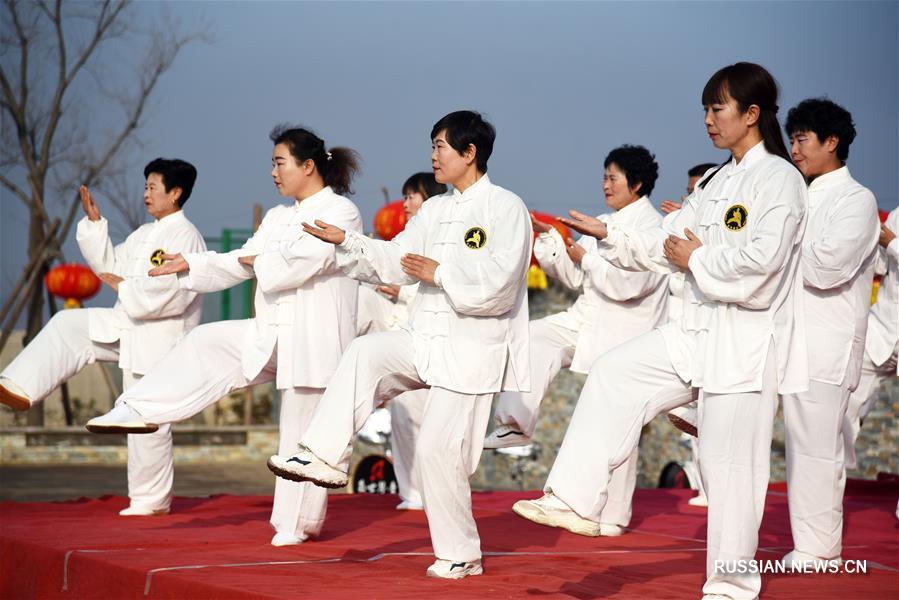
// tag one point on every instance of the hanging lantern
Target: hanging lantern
(390, 220)
(73, 283)
(883, 215)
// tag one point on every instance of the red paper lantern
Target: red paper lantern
(883, 215)
(73, 283)
(390, 220)
(550, 219)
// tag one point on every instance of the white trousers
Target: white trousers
(379, 366)
(862, 400)
(552, 349)
(816, 474)
(59, 351)
(406, 411)
(205, 366)
(626, 388)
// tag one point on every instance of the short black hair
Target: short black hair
(464, 128)
(425, 184)
(700, 170)
(824, 118)
(638, 164)
(175, 173)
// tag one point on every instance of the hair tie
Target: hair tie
(328, 155)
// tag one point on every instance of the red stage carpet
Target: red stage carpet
(219, 548)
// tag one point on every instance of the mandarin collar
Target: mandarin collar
(471, 191)
(314, 200)
(751, 157)
(830, 179)
(171, 219)
(630, 213)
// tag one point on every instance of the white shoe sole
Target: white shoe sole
(572, 522)
(130, 512)
(121, 427)
(475, 570)
(510, 440)
(321, 476)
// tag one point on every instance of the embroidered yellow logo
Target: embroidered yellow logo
(735, 217)
(156, 258)
(475, 238)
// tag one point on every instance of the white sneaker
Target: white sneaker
(410, 505)
(699, 500)
(121, 419)
(287, 539)
(550, 510)
(506, 436)
(801, 561)
(517, 451)
(13, 396)
(685, 418)
(447, 569)
(306, 466)
(133, 511)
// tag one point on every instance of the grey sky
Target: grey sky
(562, 82)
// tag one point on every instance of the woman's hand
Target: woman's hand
(586, 224)
(325, 232)
(174, 263)
(419, 267)
(678, 250)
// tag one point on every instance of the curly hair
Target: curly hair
(638, 164)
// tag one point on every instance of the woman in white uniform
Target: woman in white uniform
(305, 318)
(615, 306)
(879, 362)
(150, 316)
(377, 312)
(467, 337)
(740, 340)
(838, 253)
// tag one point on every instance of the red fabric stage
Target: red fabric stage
(218, 547)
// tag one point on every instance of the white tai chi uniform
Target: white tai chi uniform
(305, 318)
(879, 361)
(467, 339)
(149, 318)
(615, 306)
(838, 253)
(378, 313)
(740, 340)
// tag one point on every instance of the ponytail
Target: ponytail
(337, 167)
(340, 166)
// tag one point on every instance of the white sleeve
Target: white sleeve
(213, 271)
(96, 247)
(742, 274)
(296, 262)
(147, 298)
(487, 283)
(618, 284)
(549, 249)
(633, 249)
(833, 257)
(378, 261)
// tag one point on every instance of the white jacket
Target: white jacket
(616, 305)
(470, 330)
(743, 289)
(303, 303)
(838, 253)
(883, 320)
(152, 313)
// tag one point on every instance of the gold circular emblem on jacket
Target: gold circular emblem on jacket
(475, 238)
(735, 217)
(156, 258)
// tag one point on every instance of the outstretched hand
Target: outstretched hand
(678, 250)
(420, 267)
(174, 263)
(88, 205)
(575, 251)
(325, 232)
(586, 224)
(886, 236)
(669, 206)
